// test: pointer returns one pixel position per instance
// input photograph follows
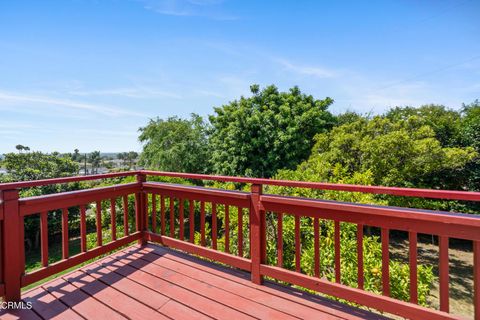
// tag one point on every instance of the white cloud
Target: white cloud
(186, 8)
(208, 93)
(136, 92)
(314, 71)
(7, 97)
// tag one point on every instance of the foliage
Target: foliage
(401, 153)
(128, 157)
(446, 123)
(175, 144)
(95, 159)
(38, 165)
(35, 166)
(271, 130)
(471, 137)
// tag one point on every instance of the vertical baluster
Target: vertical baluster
(44, 237)
(476, 278)
(443, 273)
(22, 245)
(280, 240)
(412, 238)
(172, 217)
(214, 226)
(99, 223)
(162, 213)
(126, 232)
(360, 275)
(316, 245)
(338, 275)
(227, 228)
(240, 231)
(263, 236)
(191, 220)
(180, 209)
(297, 243)
(202, 223)
(113, 219)
(154, 213)
(385, 262)
(65, 233)
(83, 229)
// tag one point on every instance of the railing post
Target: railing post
(12, 243)
(141, 209)
(257, 232)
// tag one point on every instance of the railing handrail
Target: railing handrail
(405, 192)
(258, 205)
(47, 182)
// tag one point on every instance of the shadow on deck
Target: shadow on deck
(154, 282)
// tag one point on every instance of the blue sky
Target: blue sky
(87, 74)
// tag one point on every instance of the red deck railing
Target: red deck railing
(166, 213)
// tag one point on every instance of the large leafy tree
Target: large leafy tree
(397, 153)
(38, 165)
(35, 166)
(95, 160)
(268, 131)
(175, 144)
(445, 123)
(471, 137)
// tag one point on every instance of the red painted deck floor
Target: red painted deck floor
(154, 282)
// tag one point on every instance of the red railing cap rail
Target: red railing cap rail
(46, 182)
(406, 192)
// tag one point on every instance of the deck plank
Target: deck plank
(230, 285)
(132, 289)
(299, 298)
(16, 314)
(117, 300)
(176, 310)
(80, 302)
(227, 298)
(154, 282)
(184, 296)
(48, 307)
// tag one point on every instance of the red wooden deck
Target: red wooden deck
(153, 282)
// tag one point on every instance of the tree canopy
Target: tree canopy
(175, 144)
(38, 165)
(268, 131)
(405, 152)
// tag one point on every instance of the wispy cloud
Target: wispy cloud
(185, 8)
(114, 133)
(208, 93)
(135, 92)
(9, 98)
(315, 71)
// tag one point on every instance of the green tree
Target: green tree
(95, 160)
(38, 165)
(446, 123)
(471, 137)
(35, 166)
(268, 131)
(175, 144)
(132, 156)
(76, 156)
(397, 153)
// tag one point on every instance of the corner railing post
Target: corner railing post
(141, 209)
(257, 232)
(12, 243)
